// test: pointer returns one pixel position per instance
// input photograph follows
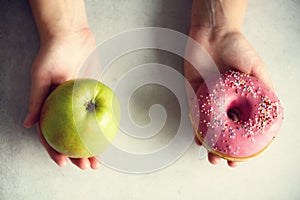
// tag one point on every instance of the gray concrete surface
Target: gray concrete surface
(26, 171)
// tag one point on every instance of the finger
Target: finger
(197, 141)
(95, 164)
(59, 159)
(40, 85)
(262, 74)
(213, 159)
(232, 164)
(82, 163)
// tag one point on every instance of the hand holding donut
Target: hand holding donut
(229, 49)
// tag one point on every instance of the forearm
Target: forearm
(219, 15)
(54, 17)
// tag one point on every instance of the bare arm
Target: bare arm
(58, 17)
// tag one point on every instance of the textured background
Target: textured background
(26, 171)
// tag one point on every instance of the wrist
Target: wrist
(56, 18)
(60, 31)
(215, 18)
(209, 37)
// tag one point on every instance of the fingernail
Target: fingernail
(97, 165)
(86, 165)
(62, 163)
(25, 122)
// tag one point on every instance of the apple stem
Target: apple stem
(90, 106)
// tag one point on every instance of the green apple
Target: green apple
(80, 118)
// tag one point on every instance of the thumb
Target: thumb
(262, 74)
(39, 89)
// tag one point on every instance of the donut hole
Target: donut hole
(239, 110)
(234, 114)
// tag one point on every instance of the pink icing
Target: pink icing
(237, 115)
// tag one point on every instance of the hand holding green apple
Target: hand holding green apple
(80, 118)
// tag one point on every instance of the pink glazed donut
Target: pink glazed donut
(236, 116)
